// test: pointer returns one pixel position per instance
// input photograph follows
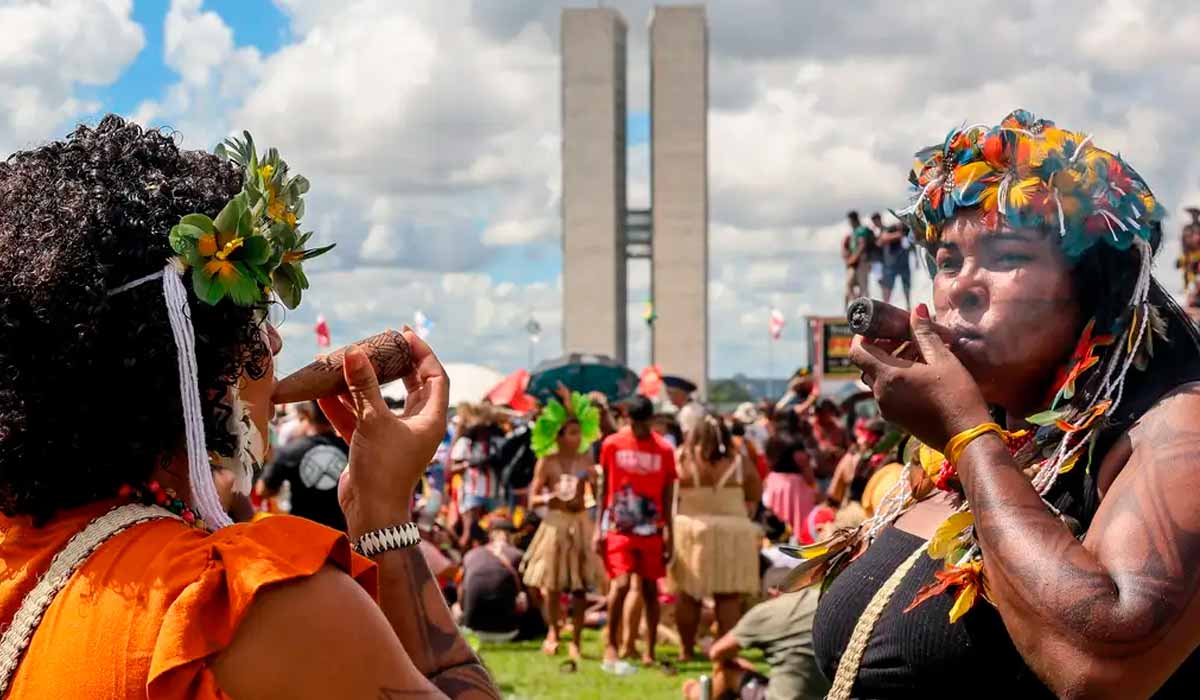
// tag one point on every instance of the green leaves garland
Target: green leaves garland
(254, 245)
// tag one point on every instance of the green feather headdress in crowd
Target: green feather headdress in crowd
(554, 416)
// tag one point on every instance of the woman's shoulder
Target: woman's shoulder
(162, 597)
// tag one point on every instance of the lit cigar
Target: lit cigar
(872, 318)
(388, 352)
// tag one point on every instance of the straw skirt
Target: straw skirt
(560, 557)
(716, 545)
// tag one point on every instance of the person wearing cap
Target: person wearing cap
(682, 393)
(636, 509)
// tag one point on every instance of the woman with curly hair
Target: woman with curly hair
(1044, 539)
(102, 407)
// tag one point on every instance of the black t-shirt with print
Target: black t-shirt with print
(312, 464)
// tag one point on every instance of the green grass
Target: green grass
(524, 673)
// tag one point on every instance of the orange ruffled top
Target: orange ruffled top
(143, 615)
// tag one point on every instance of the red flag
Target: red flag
(322, 329)
(776, 324)
(511, 392)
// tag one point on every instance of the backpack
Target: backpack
(516, 459)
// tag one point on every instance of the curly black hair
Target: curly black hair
(89, 388)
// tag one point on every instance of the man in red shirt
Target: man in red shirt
(634, 536)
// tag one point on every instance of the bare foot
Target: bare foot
(574, 652)
(550, 647)
(691, 689)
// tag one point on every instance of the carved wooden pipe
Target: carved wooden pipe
(388, 352)
(872, 318)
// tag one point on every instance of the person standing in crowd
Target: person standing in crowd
(1189, 259)
(715, 542)
(682, 393)
(857, 465)
(895, 249)
(856, 253)
(312, 462)
(877, 231)
(790, 488)
(635, 538)
(474, 456)
(802, 393)
(782, 627)
(831, 440)
(560, 559)
(517, 461)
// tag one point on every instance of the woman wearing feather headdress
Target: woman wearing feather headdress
(560, 559)
(1044, 540)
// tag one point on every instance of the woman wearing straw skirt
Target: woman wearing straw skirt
(560, 558)
(716, 543)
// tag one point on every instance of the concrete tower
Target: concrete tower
(593, 181)
(679, 188)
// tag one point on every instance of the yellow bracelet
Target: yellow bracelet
(958, 443)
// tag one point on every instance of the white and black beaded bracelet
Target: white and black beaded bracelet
(386, 539)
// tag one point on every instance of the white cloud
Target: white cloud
(48, 51)
(431, 133)
(215, 75)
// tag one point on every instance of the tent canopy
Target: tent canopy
(467, 383)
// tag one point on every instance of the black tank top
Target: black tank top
(919, 653)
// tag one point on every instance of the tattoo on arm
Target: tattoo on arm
(1124, 588)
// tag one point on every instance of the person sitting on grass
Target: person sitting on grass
(782, 628)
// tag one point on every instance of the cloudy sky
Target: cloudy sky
(431, 132)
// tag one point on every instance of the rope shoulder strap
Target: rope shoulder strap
(65, 563)
(847, 670)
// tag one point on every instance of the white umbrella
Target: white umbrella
(467, 383)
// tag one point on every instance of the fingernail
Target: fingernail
(355, 358)
(923, 312)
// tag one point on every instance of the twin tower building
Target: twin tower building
(600, 232)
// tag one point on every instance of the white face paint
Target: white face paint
(251, 448)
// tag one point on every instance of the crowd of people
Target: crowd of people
(1009, 506)
(879, 252)
(650, 519)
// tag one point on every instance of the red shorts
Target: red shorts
(634, 554)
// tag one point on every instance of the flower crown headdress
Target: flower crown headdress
(251, 250)
(1028, 172)
(554, 416)
(1025, 172)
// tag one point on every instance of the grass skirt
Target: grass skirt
(716, 544)
(560, 557)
